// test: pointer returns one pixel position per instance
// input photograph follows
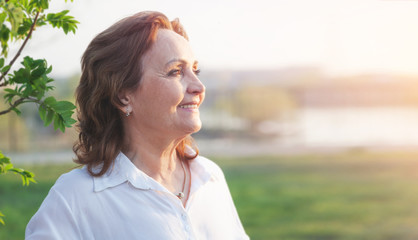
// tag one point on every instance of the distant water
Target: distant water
(353, 127)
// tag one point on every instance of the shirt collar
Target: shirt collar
(121, 171)
(203, 171)
(124, 170)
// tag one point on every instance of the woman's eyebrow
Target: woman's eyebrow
(180, 61)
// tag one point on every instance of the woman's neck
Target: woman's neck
(155, 156)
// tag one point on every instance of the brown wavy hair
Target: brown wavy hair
(111, 64)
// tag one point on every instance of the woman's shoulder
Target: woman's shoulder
(210, 166)
(76, 180)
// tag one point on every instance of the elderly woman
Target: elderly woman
(138, 99)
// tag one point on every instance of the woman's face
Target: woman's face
(168, 98)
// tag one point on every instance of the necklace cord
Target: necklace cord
(180, 195)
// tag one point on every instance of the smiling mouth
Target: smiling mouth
(189, 106)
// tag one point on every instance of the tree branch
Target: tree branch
(20, 50)
(15, 104)
(20, 101)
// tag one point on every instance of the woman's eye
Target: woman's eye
(175, 72)
(196, 72)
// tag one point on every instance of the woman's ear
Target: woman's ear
(125, 100)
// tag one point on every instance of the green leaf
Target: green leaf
(70, 121)
(27, 91)
(56, 121)
(37, 62)
(67, 114)
(22, 75)
(39, 4)
(27, 62)
(28, 174)
(49, 118)
(4, 39)
(1, 218)
(49, 70)
(62, 20)
(15, 16)
(38, 72)
(17, 111)
(42, 112)
(50, 100)
(63, 106)
(65, 27)
(24, 27)
(24, 180)
(8, 167)
(24, 3)
(3, 17)
(62, 126)
(60, 112)
(10, 90)
(25, 175)
(4, 159)
(5, 68)
(11, 93)
(1, 62)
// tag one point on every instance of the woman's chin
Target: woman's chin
(194, 128)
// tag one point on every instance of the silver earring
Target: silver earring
(128, 112)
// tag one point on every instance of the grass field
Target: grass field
(351, 195)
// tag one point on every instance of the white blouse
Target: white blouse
(125, 203)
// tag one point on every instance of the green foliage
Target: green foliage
(62, 20)
(30, 82)
(6, 166)
(15, 16)
(19, 17)
(30, 85)
(58, 111)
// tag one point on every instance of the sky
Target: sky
(342, 37)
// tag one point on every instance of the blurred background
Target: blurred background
(311, 109)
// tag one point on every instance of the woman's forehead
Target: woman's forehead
(170, 46)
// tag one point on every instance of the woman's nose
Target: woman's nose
(196, 86)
